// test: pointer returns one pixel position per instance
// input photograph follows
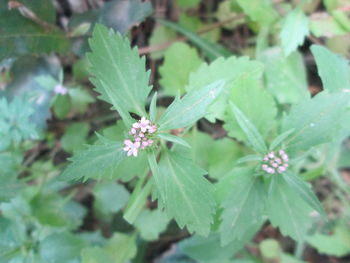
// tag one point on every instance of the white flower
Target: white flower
(131, 148)
(144, 124)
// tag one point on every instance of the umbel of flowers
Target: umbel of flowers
(275, 162)
(141, 133)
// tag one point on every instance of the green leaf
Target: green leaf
(184, 193)
(261, 11)
(80, 99)
(95, 255)
(209, 249)
(20, 35)
(75, 136)
(97, 162)
(253, 136)
(244, 206)
(222, 155)
(255, 103)
(174, 139)
(304, 191)
(193, 106)
(294, 30)
(153, 108)
(249, 158)
(160, 36)
(332, 68)
(121, 247)
(134, 12)
(212, 51)
(280, 139)
(137, 200)
(285, 76)
(15, 120)
(336, 244)
(326, 25)
(119, 72)
(107, 191)
(232, 70)
(61, 248)
(176, 70)
(10, 239)
(315, 120)
(287, 210)
(10, 185)
(151, 224)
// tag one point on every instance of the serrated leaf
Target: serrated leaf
(174, 139)
(97, 162)
(332, 68)
(184, 193)
(254, 138)
(212, 51)
(175, 70)
(256, 104)
(304, 191)
(231, 70)
(119, 72)
(285, 76)
(315, 120)
(243, 207)
(294, 30)
(193, 106)
(286, 210)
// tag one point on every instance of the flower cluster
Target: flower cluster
(275, 162)
(141, 132)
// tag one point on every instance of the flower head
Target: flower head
(141, 133)
(275, 162)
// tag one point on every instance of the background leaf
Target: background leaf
(175, 70)
(315, 120)
(285, 77)
(332, 68)
(294, 30)
(231, 69)
(255, 103)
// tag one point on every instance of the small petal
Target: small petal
(137, 144)
(133, 131)
(128, 143)
(136, 125)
